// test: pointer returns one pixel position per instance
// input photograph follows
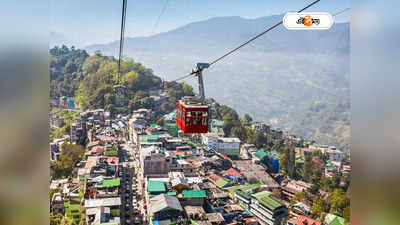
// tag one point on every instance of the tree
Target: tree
(98, 53)
(307, 169)
(318, 207)
(70, 155)
(247, 118)
(131, 80)
(298, 197)
(240, 132)
(339, 201)
(284, 160)
(55, 219)
(315, 188)
(292, 164)
(346, 213)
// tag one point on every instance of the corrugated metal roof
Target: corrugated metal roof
(221, 183)
(164, 202)
(194, 194)
(260, 154)
(266, 199)
(155, 186)
(111, 183)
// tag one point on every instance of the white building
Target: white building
(334, 155)
(228, 146)
(268, 209)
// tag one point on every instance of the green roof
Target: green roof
(221, 183)
(171, 116)
(243, 194)
(260, 154)
(171, 193)
(72, 211)
(274, 154)
(329, 164)
(266, 199)
(194, 193)
(242, 186)
(111, 183)
(155, 186)
(148, 138)
(337, 221)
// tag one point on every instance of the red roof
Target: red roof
(106, 138)
(181, 153)
(225, 157)
(97, 150)
(214, 177)
(233, 172)
(94, 143)
(304, 220)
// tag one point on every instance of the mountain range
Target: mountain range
(294, 80)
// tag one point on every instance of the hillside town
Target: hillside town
(131, 169)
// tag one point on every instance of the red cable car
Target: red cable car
(192, 116)
(192, 112)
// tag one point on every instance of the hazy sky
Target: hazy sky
(84, 22)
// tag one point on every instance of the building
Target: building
(304, 220)
(216, 126)
(55, 148)
(57, 204)
(260, 127)
(334, 155)
(268, 209)
(291, 187)
(156, 165)
(331, 219)
(210, 140)
(165, 207)
(227, 146)
(155, 187)
(193, 197)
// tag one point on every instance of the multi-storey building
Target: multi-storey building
(268, 209)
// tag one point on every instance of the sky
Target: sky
(86, 22)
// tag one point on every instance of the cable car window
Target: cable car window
(197, 118)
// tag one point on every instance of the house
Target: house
(210, 140)
(304, 220)
(195, 213)
(267, 208)
(215, 218)
(334, 154)
(232, 173)
(216, 126)
(156, 165)
(260, 127)
(155, 187)
(229, 147)
(291, 187)
(57, 204)
(243, 197)
(193, 197)
(165, 207)
(301, 209)
(331, 219)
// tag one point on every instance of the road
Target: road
(131, 186)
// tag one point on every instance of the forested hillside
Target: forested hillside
(94, 82)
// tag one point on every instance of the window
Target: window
(197, 118)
